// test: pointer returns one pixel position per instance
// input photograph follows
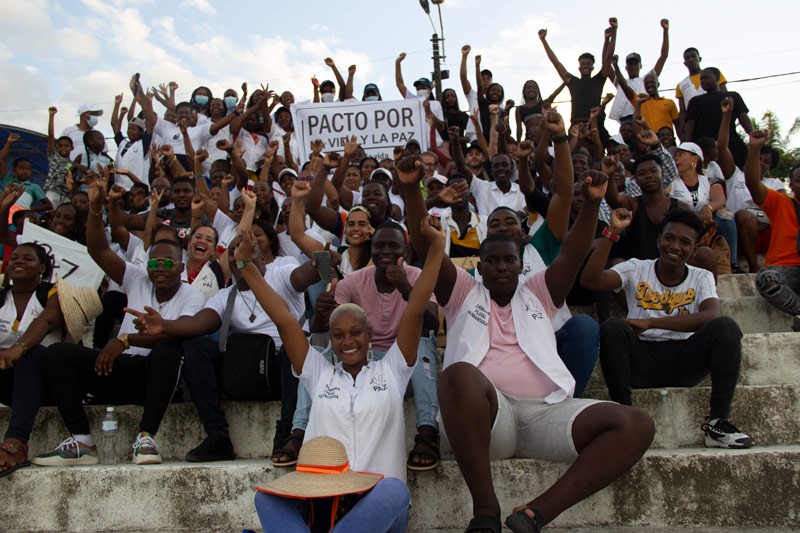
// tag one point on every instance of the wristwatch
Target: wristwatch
(124, 339)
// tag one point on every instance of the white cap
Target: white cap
(90, 108)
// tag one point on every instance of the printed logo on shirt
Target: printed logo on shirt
(480, 314)
(534, 311)
(378, 383)
(330, 393)
(668, 301)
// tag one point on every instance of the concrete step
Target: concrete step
(752, 313)
(688, 488)
(735, 285)
(768, 413)
(767, 359)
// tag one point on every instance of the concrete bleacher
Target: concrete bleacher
(687, 488)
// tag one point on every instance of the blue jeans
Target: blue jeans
(727, 228)
(423, 381)
(384, 509)
(578, 342)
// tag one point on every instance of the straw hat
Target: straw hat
(79, 305)
(323, 471)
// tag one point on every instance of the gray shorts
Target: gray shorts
(531, 428)
(761, 216)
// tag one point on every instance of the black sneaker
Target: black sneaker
(720, 433)
(214, 448)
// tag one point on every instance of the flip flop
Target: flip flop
(12, 450)
(433, 444)
(486, 521)
(520, 522)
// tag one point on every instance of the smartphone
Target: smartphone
(324, 266)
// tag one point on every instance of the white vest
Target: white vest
(372, 428)
(8, 314)
(468, 336)
(681, 192)
(206, 281)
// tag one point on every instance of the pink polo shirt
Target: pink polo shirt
(384, 310)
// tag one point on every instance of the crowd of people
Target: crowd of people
(216, 241)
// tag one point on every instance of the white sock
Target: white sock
(84, 439)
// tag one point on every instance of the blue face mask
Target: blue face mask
(230, 102)
(92, 121)
(371, 99)
(201, 99)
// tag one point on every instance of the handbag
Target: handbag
(248, 362)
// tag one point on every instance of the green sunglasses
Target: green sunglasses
(166, 263)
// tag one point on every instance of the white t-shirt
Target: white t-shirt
(200, 135)
(278, 276)
(365, 415)
(76, 134)
(488, 196)
(226, 228)
(649, 298)
(622, 107)
(136, 284)
(135, 159)
(739, 195)
(254, 145)
(9, 334)
(698, 199)
(290, 249)
(214, 153)
(165, 132)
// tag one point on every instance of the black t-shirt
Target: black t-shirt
(706, 112)
(586, 94)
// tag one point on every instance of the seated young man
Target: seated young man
(504, 392)
(674, 334)
(779, 282)
(132, 368)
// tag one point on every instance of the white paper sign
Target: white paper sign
(378, 126)
(72, 260)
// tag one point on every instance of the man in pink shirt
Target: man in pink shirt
(382, 290)
(504, 391)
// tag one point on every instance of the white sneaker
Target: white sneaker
(145, 450)
(720, 433)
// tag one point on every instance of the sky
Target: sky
(84, 51)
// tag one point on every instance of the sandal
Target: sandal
(520, 522)
(433, 444)
(289, 451)
(490, 522)
(13, 450)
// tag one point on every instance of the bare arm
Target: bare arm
(297, 220)
(465, 86)
(96, 241)
(725, 158)
(594, 276)
(327, 218)
(560, 275)
(609, 45)
(294, 339)
(562, 72)
(51, 130)
(398, 75)
(662, 58)
(418, 300)
(561, 186)
(752, 167)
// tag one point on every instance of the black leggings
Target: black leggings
(22, 387)
(144, 380)
(630, 362)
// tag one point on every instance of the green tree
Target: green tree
(790, 154)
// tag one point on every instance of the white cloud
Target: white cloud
(200, 5)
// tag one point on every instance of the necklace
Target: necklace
(252, 308)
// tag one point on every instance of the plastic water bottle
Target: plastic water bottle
(108, 449)
(669, 435)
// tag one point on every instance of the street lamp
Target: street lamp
(438, 73)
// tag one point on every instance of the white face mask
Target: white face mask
(423, 93)
(326, 97)
(92, 121)
(371, 99)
